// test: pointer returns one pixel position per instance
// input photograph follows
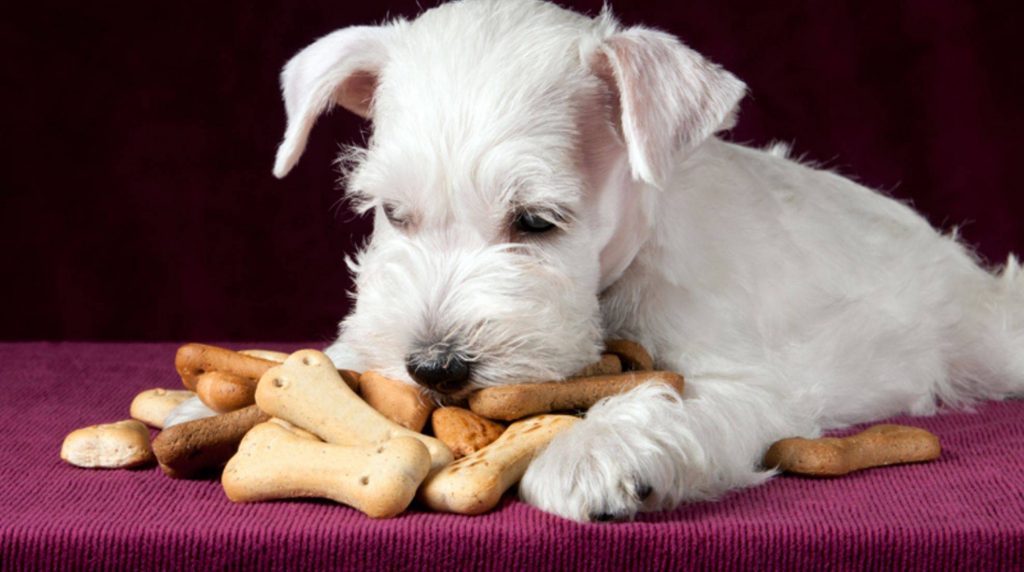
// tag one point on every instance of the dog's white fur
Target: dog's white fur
(792, 299)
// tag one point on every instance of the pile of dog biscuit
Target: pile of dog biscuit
(292, 426)
(295, 426)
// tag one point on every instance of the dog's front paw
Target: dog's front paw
(592, 474)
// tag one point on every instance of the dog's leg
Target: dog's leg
(650, 450)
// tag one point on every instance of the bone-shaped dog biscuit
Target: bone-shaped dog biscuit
(224, 392)
(400, 402)
(633, 355)
(876, 446)
(273, 463)
(474, 484)
(192, 360)
(192, 447)
(510, 402)
(308, 392)
(463, 431)
(269, 355)
(607, 365)
(297, 431)
(153, 405)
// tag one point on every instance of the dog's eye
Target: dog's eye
(529, 222)
(391, 213)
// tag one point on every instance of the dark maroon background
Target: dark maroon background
(137, 141)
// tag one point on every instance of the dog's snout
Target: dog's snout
(446, 373)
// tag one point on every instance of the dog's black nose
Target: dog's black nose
(445, 373)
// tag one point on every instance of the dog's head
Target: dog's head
(515, 152)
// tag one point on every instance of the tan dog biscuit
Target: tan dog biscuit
(192, 360)
(874, 447)
(308, 391)
(224, 392)
(474, 484)
(273, 463)
(516, 401)
(633, 355)
(190, 448)
(152, 406)
(463, 431)
(402, 403)
(607, 365)
(108, 446)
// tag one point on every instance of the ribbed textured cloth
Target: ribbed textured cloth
(963, 511)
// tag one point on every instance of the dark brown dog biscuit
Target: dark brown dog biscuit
(190, 448)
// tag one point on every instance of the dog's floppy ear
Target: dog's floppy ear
(340, 68)
(670, 97)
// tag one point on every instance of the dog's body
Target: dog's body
(542, 181)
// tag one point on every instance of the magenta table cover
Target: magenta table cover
(963, 511)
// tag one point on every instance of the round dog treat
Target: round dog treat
(876, 446)
(108, 446)
(633, 355)
(187, 449)
(273, 463)
(463, 431)
(402, 403)
(306, 390)
(269, 355)
(224, 392)
(510, 402)
(607, 365)
(192, 360)
(474, 484)
(152, 406)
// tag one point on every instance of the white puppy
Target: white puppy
(541, 180)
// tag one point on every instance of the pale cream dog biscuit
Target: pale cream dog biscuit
(377, 479)
(402, 403)
(297, 431)
(306, 390)
(108, 446)
(835, 456)
(463, 431)
(510, 402)
(224, 392)
(152, 406)
(474, 484)
(633, 355)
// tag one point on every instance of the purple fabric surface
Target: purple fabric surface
(963, 511)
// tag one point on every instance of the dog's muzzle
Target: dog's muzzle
(443, 371)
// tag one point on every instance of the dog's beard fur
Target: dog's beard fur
(506, 309)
